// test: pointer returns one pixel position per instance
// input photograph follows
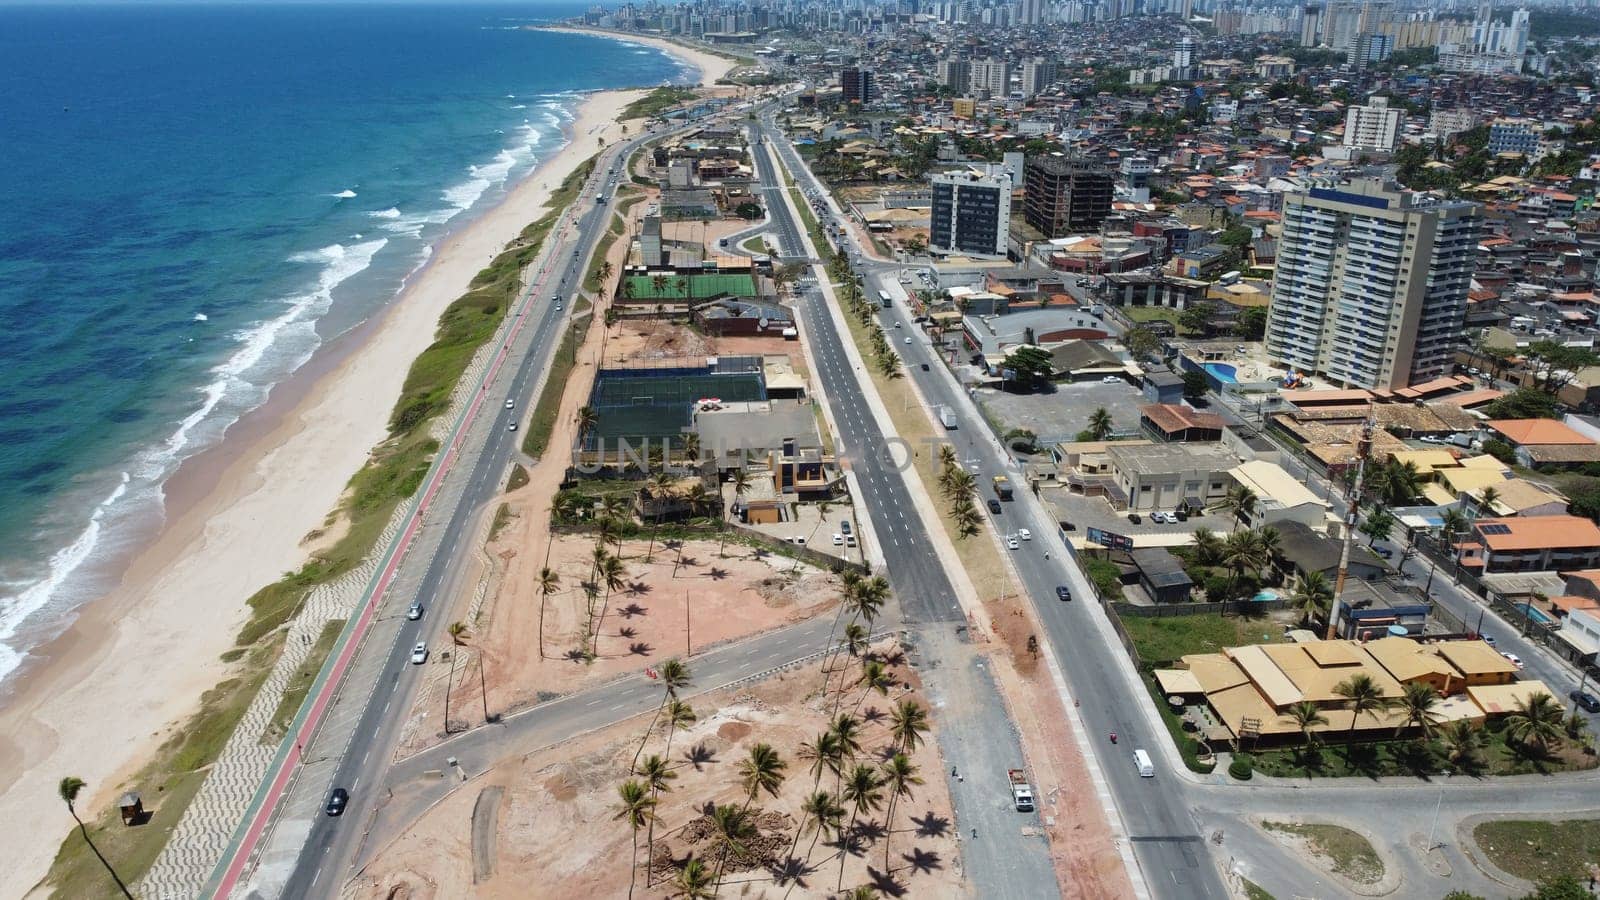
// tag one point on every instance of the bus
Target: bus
(883, 297)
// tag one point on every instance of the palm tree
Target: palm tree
(1207, 546)
(614, 573)
(1100, 425)
(659, 283)
(819, 813)
(604, 272)
(874, 677)
(1536, 722)
(863, 790)
(761, 771)
(674, 676)
(567, 505)
(457, 632)
(691, 447)
(899, 776)
(1241, 553)
(909, 722)
(733, 829)
(1461, 740)
(826, 754)
(1452, 523)
(588, 417)
(1486, 500)
(678, 716)
(693, 881)
(1240, 502)
(658, 775)
(1417, 705)
(1362, 694)
(1313, 596)
(637, 805)
(1307, 716)
(68, 790)
(1270, 542)
(549, 582)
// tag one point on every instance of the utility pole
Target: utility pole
(1363, 450)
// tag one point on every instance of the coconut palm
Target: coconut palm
(820, 814)
(1417, 703)
(1307, 716)
(637, 806)
(567, 506)
(1240, 502)
(604, 271)
(1207, 546)
(659, 282)
(693, 881)
(1241, 553)
(1362, 694)
(1313, 596)
(1487, 499)
(674, 676)
(457, 632)
(761, 771)
(1100, 425)
(549, 583)
(588, 417)
(1461, 740)
(863, 790)
(826, 754)
(909, 722)
(899, 777)
(1270, 542)
(614, 574)
(658, 774)
(732, 828)
(847, 728)
(874, 677)
(68, 790)
(1536, 722)
(678, 716)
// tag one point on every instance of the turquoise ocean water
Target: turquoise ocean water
(194, 198)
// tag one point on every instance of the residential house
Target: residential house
(1532, 544)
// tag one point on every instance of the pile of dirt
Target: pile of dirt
(764, 851)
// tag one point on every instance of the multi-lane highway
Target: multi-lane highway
(1157, 817)
(377, 700)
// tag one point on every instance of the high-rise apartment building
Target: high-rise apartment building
(1371, 283)
(1370, 47)
(1062, 194)
(971, 214)
(855, 85)
(990, 77)
(1037, 74)
(956, 73)
(1372, 127)
(1183, 57)
(1311, 25)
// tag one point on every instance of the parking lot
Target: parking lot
(1094, 512)
(1063, 412)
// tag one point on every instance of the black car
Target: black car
(844, 527)
(337, 800)
(1135, 518)
(994, 506)
(1062, 593)
(1586, 700)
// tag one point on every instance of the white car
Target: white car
(512, 427)
(558, 307)
(419, 653)
(907, 340)
(838, 540)
(510, 403)
(1110, 379)
(1513, 658)
(1025, 534)
(1011, 541)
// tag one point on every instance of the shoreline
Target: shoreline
(96, 700)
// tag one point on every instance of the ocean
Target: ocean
(193, 198)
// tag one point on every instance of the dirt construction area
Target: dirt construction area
(551, 818)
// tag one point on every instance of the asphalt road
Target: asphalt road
(331, 843)
(1156, 813)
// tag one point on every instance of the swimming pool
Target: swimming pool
(1537, 614)
(1223, 372)
(1265, 596)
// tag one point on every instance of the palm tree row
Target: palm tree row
(1251, 550)
(959, 488)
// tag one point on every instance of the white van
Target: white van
(1141, 759)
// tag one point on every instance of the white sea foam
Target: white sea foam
(519, 106)
(62, 564)
(263, 355)
(345, 194)
(390, 213)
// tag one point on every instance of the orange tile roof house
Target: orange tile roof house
(1533, 544)
(1546, 442)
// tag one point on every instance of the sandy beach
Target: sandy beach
(97, 700)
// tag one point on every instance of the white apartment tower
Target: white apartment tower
(1371, 285)
(1372, 127)
(992, 77)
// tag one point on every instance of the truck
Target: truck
(1002, 487)
(947, 417)
(1021, 791)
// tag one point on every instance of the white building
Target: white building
(1037, 74)
(971, 214)
(1372, 127)
(1371, 284)
(991, 77)
(1447, 123)
(1493, 47)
